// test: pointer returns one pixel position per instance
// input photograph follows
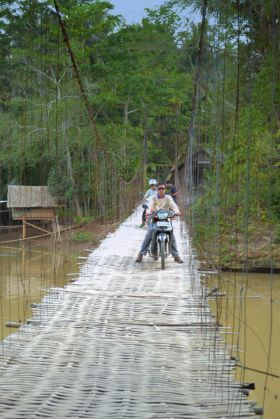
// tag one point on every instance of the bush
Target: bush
(277, 233)
(83, 236)
(82, 220)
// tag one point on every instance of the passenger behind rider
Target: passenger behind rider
(152, 191)
(172, 191)
(165, 202)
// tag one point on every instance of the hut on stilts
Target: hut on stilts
(33, 203)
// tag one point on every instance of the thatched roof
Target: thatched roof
(30, 197)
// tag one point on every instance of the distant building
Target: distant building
(200, 162)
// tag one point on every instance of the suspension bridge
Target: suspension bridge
(88, 107)
(123, 340)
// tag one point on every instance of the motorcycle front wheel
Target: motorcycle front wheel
(162, 254)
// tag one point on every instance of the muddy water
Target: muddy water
(250, 308)
(25, 275)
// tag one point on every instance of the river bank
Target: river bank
(257, 252)
(76, 238)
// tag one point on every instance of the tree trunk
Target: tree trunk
(70, 170)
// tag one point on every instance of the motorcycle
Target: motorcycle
(162, 235)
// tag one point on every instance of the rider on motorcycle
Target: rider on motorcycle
(152, 191)
(165, 202)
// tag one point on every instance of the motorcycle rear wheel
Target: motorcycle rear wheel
(162, 254)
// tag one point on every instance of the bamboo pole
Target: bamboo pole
(38, 228)
(23, 229)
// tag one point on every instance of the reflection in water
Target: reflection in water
(25, 275)
(253, 300)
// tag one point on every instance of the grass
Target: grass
(82, 220)
(83, 236)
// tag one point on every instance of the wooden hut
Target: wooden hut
(32, 203)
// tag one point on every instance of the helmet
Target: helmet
(152, 182)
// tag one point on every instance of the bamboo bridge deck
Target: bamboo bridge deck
(124, 340)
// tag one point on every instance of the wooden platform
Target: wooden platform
(123, 341)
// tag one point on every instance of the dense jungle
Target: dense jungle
(192, 90)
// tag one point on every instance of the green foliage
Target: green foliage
(139, 80)
(129, 72)
(82, 220)
(83, 236)
(236, 124)
(277, 233)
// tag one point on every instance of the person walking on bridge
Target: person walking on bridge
(164, 202)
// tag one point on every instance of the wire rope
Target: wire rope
(272, 122)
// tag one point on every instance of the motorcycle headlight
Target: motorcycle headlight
(162, 215)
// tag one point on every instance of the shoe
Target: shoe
(177, 259)
(139, 258)
(142, 225)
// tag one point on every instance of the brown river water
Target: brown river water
(26, 273)
(249, 306)
(252, 300)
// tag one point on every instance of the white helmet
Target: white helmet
(152, 182)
